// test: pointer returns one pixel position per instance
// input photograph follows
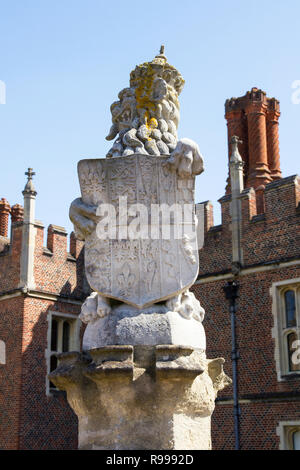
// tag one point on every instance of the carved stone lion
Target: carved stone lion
(146, 116)
(187, 305)
(144, 121)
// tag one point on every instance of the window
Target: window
(66, 336)
(292, 347)
(296, 439)
(2, 352)
(63, 336)
(289, 433)
(286, 311)
(290, 308)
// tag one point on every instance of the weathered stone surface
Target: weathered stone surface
(142, 397)
(146, 116)
(160, 263)
(155, 325)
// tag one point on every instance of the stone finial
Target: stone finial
(161, 54)
(28, 235)
(29, 187)
(235, 154)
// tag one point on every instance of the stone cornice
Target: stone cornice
(40, 295)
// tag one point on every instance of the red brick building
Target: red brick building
(268, 272)
(257, 244)
(41, 291)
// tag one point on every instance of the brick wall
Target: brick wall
(30, 419)
(259, 421)
(11, 326)
(271, 251)
(55, 269)
(265, 237)
(10, 260)
(46, 422)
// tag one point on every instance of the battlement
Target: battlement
(271, 234)
(55, 267)
(57, 237)
(39, 275)
(261, 237)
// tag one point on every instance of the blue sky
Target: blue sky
(64, 62)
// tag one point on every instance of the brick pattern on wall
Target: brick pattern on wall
(56, 270)
(11, 327)
(10, 261)
(267, 237)
(46, 422)
(259, 421)
(271, 237)
(29, 419)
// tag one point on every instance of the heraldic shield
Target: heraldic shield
(158, 259)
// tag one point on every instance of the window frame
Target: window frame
(285, 431)
(280, 331)
(74, 339)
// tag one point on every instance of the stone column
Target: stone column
(141, 397)
(4, 216)
(259, 173)
(237, 186)
(236, 126)
(273, 114)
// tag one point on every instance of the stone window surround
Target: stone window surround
(74, 338)
(2, 352)
(277, 291)
(285, 430)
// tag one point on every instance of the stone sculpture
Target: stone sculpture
(144, 344)
(146, 117)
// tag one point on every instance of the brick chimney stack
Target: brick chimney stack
(17, 213)
(4, 217)
(254, 119)
(273, 114)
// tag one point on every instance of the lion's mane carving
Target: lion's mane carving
(146, 116)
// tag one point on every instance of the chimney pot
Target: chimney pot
(4, 216)
(17, 213)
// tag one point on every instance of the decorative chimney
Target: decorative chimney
(17, 213)
(4, 216)
(273, 114)
(254, 118)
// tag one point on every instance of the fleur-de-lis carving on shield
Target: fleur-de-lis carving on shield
(125, 279)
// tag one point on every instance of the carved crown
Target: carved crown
(147, 72)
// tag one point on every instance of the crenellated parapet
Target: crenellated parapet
(40, 279)
(261, 237)
(55, 261)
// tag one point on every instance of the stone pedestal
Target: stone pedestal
(150, 326)
(141, 397)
